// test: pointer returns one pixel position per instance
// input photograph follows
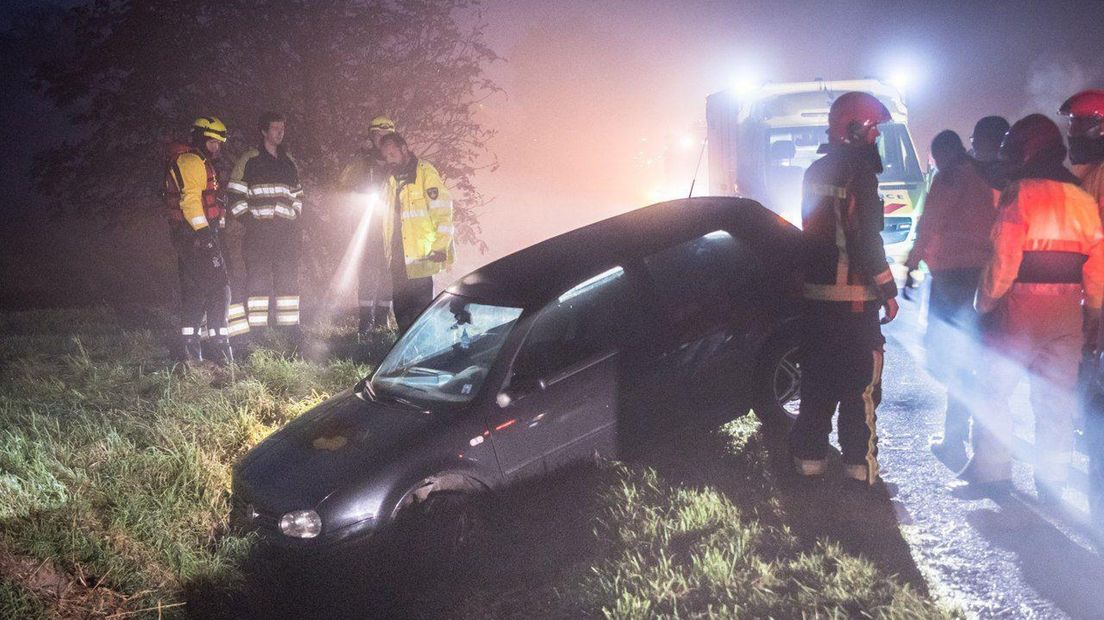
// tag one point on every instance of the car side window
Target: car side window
(705, 282)
(580, 324)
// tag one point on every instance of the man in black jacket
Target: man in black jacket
(846, 282)
(265, 190)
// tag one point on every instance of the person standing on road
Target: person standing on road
(846, 281)
(953, 240)
(417, 228)
(1047, 269)
(1085, 111)
(191, 194)
(265, 190)
(985, 149)
(367, 178)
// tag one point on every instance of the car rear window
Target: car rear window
(705, 282)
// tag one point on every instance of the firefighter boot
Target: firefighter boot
(193, 349)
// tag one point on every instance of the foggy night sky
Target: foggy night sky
(585, 82)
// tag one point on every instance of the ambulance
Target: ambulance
(760, 141)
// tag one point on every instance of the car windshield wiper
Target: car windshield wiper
(381, 396)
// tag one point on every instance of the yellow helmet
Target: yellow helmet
(383, 124)
(211, 127)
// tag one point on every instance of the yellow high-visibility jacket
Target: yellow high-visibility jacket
(196, 189)
(426, 211)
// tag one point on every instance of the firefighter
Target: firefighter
(367, 179)
(265, 192)
(417, 228)
(1048, 262)
(953, 240)
(846, 282)
(191, 195)
(1086, 145)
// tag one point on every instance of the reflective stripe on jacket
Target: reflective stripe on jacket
(265, 186)
(426, 210)
(842, 255)
(1044, 218)
(192, 185)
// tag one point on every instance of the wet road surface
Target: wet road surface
(1006, 558)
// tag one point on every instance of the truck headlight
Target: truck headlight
(301, 524)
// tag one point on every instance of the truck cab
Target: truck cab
(761, 140)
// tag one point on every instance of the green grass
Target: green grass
(115, 465)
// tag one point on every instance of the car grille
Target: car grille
(896, 229)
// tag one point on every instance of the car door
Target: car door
(708, 292)
(559, 404)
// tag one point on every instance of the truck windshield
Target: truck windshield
(898, 155)
(445, 356)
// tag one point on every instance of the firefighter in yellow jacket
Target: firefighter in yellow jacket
(1042, 287)
(195, 214)
(417, 229)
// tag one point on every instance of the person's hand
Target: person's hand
(891, 307)
(910, 285)
(438, 256)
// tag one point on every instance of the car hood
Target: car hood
(338, 442)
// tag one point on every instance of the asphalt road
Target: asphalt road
(1009, 558)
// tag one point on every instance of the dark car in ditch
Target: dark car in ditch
(675, 314)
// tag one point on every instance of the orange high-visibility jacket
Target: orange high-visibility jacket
(1047, 232)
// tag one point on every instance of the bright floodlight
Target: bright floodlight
(746, 82)
(901, 79)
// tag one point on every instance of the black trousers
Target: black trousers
(272, 249)
(841, 365)
(952, 344)
(409, 296)
(204, 289)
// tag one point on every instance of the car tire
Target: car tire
(778, 383)
(444, 532)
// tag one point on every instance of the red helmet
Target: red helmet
(1086, 113)
(1032, 137)
(852, 114)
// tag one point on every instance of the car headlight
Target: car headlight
(301, 524)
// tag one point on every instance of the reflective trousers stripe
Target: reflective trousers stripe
(257, 303)
(869, 407)
(239, 327)
(235, 311)
(287, 302)
(287, 318)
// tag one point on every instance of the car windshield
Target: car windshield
(899, 161)
(445, 356)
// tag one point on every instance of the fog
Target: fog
(593, 91)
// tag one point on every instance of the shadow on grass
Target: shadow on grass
(752, 468)
(542, 538)
(536, 536)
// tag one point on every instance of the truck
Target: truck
(760, 141)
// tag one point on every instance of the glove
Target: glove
(208, 254)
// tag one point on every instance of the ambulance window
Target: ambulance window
(899, 164)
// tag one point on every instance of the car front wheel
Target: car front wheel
(778, 384)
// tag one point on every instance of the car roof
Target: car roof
(533, 276)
